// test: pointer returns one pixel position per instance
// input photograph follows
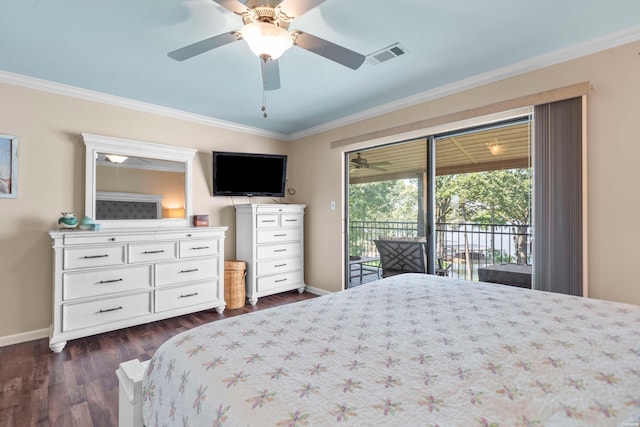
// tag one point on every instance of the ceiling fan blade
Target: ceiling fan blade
(233, 5)
(295, 8)
(329, 50)
(204, 46)
(270, 74)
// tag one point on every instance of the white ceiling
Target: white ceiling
(119, 48)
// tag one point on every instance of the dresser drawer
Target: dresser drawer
(267, 221)
(92, 283)
(278, 235)
(184, 296)
(277, 250)
(93, 256)
(272, 282)
(170, 273)
(189, 233)
(200, 247)
(149, 252)
(103, 237)
(278, 266)
(270, 209)
(93, 313)
(287, 220)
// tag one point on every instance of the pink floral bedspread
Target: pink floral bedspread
(406, 351)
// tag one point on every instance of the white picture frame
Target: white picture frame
(8, 166)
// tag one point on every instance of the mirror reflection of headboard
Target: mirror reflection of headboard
(143, 169)
(111, 205)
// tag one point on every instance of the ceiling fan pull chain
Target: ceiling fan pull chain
(264, 91)
(264, 103)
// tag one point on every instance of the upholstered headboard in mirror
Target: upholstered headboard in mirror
(115, 205)
(137, 184)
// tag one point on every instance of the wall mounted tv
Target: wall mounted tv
(248, 174)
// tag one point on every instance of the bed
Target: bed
(412, 349)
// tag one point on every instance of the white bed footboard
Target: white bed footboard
(130, 375)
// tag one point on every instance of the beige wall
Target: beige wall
(51, 180)
(613, 157)
(51, 176)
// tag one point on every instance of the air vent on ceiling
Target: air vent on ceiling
(386, 54)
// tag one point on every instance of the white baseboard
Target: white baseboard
(24, 337)
(316, 291)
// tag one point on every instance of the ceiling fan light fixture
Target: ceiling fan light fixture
(495, 147)
(117, 159)
(266, 41)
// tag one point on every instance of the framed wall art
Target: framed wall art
(8, 166)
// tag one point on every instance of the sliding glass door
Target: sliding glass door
(467, 194)
(483, 201)
(385, 199)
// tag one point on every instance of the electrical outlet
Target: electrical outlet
(333, 205)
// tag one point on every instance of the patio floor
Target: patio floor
(370, 274)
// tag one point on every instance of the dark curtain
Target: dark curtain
(557, 264)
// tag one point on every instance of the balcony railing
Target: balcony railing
(480, 244)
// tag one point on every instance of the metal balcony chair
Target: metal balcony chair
(441, 270)
(401, 256)
(406, 256)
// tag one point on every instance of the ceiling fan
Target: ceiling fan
(360, 162)
(266, 24)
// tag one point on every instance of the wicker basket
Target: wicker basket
(234, 286)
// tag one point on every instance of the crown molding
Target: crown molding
(522, 67)
(116, 101)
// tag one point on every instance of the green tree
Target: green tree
(496, 197)
(383, 201)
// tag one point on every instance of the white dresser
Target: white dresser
(270, 239)
(117, 278)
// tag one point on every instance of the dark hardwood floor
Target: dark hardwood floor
(78, 386)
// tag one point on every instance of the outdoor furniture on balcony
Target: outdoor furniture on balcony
(402, 256)
(507, 274)
(441, 270)
(361, 266)
(399, 256)
(460, 248)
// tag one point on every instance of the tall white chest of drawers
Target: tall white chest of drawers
(270, 239)
(118, 278)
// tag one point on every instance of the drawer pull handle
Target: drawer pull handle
(280, 235)
(280, 265)
(110, 281)
(280, 250)
(189, 271)
(189, 295)
(199, 247)
(188, 235)
(291, 220)
(281, 280)
(112, 239)
(95, 256)
(154, 252)
(110, 309)
(268, 220)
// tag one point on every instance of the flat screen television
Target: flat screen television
(248, 174)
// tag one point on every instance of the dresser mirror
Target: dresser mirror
(137, 184)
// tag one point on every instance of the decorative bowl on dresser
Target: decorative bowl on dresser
(118, 278)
